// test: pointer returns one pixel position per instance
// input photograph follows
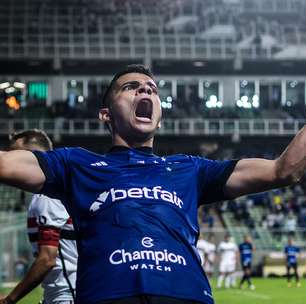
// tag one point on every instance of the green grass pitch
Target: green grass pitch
(267, 291)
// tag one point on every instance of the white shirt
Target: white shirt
(44, 211)
(208, 249)
(228, 251)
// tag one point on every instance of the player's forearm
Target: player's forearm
(291, 165)
(33, 278)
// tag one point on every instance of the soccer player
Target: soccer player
(291, 252)
(207, 251)
(228, 251)
(246, 251)
(52, 237)
(135, 213)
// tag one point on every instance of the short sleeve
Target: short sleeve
(212, 177)
(50, 212)
(55, 165)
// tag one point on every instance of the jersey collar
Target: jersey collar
(115, 149)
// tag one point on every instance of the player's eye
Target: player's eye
(154, 89)
(130, 86)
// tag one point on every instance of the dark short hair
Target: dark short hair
(132, 68)
(34, 137)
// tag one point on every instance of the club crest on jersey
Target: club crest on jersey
(155, 193)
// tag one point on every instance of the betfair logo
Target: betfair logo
(99, 201)
(155, 193)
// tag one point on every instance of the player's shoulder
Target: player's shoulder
(186, 158)
(78, 151)
(202, 242)
(42, 204)
(233, 245)
(222, 244)
(82, 156)
(212, 246)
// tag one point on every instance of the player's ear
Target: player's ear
(104, 115)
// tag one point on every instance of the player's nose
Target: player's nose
(144, 88)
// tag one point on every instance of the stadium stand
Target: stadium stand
(133, 29)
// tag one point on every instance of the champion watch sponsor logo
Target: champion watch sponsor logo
(147, 242)
(155, 193)
(161, 260)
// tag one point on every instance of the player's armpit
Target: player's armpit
(21, 169)
(253, 175)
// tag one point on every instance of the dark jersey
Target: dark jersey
(291, 254)
(246, 250)
(135, 215)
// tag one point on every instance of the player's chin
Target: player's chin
(144, 131)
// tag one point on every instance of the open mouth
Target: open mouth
(144, 109)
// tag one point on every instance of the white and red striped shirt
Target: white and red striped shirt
(50, 225)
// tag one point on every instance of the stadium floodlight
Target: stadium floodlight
(255, 101)
(246, 105)
(239, 103)
(80, 99)
(213, 99)
(244, 83)
(161, 83)
(4, 85)
(288, 103)
(19, 85)
(219, 104)
(169, 98)
(213, 102)
(208, 104)
(198, 64)
(244, 99)
(73, 83)
(9, 90)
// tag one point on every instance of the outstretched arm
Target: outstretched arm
(257, 175)
(44, 262)
(21, 169)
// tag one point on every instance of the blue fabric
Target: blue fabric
(291, 254)
(245, 250)
(135, 215)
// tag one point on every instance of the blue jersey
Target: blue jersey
(291, 254)
(135, 216)
(246, 250)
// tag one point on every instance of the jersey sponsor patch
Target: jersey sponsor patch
(155, 193)
(147, 259)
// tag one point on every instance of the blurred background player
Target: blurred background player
(246, 250)
(228, 252)
(292, 253)
(52, 237)
(207, 251)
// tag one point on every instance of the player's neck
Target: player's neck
(119, 141)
